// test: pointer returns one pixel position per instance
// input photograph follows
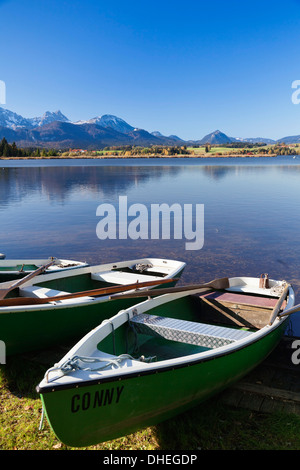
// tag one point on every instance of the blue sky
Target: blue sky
(185, 68)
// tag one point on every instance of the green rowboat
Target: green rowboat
(60, 307)
(160, 357)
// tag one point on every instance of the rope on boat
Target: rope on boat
(143, 266)
(290, 330)
(113, 334)
(277, 290)
(42, 419)
(71, 365)
(132, 328)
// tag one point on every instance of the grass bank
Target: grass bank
(210, 426)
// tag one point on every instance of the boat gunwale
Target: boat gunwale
(7, 263)
(168, 364)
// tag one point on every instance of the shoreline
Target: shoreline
(126, 157)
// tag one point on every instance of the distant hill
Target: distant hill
(216, 138)
(294, 139)
(256, 140)
(170, 140)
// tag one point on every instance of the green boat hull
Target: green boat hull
(102, 410)
(14, 273)
(31, 330)
(44, 326)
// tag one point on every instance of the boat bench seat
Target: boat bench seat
(44, 292)
(40, 292)
(239, 299)
(200, 334)
(120, 277)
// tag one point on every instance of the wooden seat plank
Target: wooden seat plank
(243, 299)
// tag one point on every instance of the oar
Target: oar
(217, 284)
(88, 293)
(289, 311)
(278, 305)
(14, 285)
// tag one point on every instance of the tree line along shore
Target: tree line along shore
(11, 151)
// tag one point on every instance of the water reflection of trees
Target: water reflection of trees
(58, 183)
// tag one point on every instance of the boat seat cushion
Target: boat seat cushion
(120, 277)
(200, 334)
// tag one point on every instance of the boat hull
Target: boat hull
(106, 409)
(34, 329)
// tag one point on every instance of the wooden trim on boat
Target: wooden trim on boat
(278, 305)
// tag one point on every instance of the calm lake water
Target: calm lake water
(251, 212)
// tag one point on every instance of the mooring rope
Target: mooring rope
(72, 364)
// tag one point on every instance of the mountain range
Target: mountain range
(55, 130)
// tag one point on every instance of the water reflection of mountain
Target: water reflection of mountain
(58, 183)
(218, 172)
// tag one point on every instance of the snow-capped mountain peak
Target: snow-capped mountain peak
(108, 120)
(12, 120)
(48, 117)
(15, 121)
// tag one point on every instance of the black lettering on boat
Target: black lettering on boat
(74, 403)
(119, 391)
(86, 401)
(98, 399)
(106, 397)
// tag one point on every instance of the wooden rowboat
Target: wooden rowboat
(59, 307)
(160, 357)
(11, 269)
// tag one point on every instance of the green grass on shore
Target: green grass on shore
(210, 426)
